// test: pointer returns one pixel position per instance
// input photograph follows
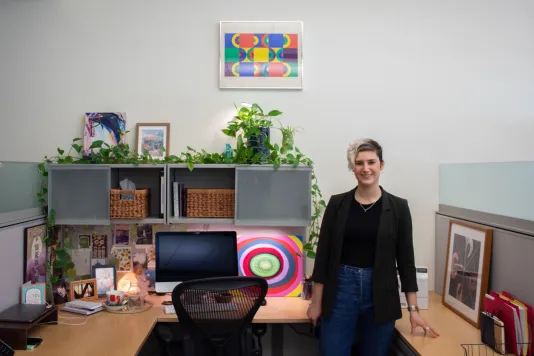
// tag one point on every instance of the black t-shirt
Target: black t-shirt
(359, 240)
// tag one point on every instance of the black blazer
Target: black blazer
(394, 247)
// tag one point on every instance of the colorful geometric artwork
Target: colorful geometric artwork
(261, 55)
(107, 127)
(278, 259)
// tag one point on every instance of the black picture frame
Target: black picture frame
(101, 287)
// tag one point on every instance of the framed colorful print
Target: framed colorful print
(467, 269)
(106, 278)
(35, 254)
(153, 139)
(260, 54)
(33, 293)
(83, 290)
(108, 127)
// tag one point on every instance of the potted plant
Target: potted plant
(288, 135)
(251, 127)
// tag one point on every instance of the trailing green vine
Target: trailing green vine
(246, 127)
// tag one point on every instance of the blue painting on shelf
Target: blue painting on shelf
(107, 127)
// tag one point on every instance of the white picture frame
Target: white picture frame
(279, 66)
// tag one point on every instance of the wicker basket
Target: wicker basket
(210, 203)
(129, 204)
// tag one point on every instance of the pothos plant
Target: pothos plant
(246, 124)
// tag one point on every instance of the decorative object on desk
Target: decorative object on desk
(108, 127)
(260, 54)
(307, 287)
(135, 299)
(141, 280)
(59, 289)
(277, 258)
(35, 254)
(115, 297)
(100, 246)
(153, 139)
(106, 278)
(127, 310)
(467, 269)
(84, 241)
(210, 203)
(144, 235)
(33, 293)
(124, 257)
(83, 290)
(121, 235)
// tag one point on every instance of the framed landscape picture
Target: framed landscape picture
(260, 54)
(153, 139)
(467, 269)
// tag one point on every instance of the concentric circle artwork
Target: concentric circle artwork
(275, 258)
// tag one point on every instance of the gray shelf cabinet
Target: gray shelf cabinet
(79, 193)
(203, 176)
(266, 196)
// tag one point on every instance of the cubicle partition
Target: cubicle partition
(19, 184)
(500, 196)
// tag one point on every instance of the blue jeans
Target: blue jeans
(353, 310)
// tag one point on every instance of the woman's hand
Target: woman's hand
(417, 320)
(314, 312)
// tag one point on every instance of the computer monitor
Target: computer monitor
(186, 255)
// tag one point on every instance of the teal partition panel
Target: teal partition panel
(19, 184)
(501, 188)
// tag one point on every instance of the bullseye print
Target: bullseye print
(275, 258)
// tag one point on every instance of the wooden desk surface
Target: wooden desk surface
(454, 331)
(107, 334)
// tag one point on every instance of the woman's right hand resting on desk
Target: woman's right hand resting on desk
(314, 309)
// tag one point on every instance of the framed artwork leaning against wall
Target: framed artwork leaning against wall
(467, 269)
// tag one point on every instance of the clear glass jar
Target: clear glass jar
(135, 299)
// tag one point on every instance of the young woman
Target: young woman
(365, 238)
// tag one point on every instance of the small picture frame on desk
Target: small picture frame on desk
(467, 269)
(33, 293)
(153, 139)
(106, 278)
(86, 289)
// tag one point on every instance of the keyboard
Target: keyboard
(203, 308)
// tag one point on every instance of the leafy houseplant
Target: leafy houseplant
(251, 148)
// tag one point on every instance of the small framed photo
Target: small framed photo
(106, 278)
(59, 290)
(260, 54)
(83, 290)
(153, 139)
(467, 269)
(33, 293)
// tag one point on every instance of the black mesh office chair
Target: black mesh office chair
(216, 313)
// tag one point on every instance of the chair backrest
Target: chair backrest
(218, 309)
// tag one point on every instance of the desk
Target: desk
(454, 331)
(107, 334)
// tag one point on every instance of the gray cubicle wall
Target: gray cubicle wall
(19, 184)
(512, 262)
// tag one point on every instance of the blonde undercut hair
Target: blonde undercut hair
(364, 144)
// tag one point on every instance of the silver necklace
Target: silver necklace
(364, 209)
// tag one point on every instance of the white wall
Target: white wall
(431, 80)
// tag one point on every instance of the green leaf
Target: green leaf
(60, 151)
(77, 139)
(277, 163)
(71, 273)
(54, 279)
(322, 202)
(307, 246)
(310, 254)
(96, 144)
(274, 113)
(190, 165)
(62, 255)
(77, 148)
